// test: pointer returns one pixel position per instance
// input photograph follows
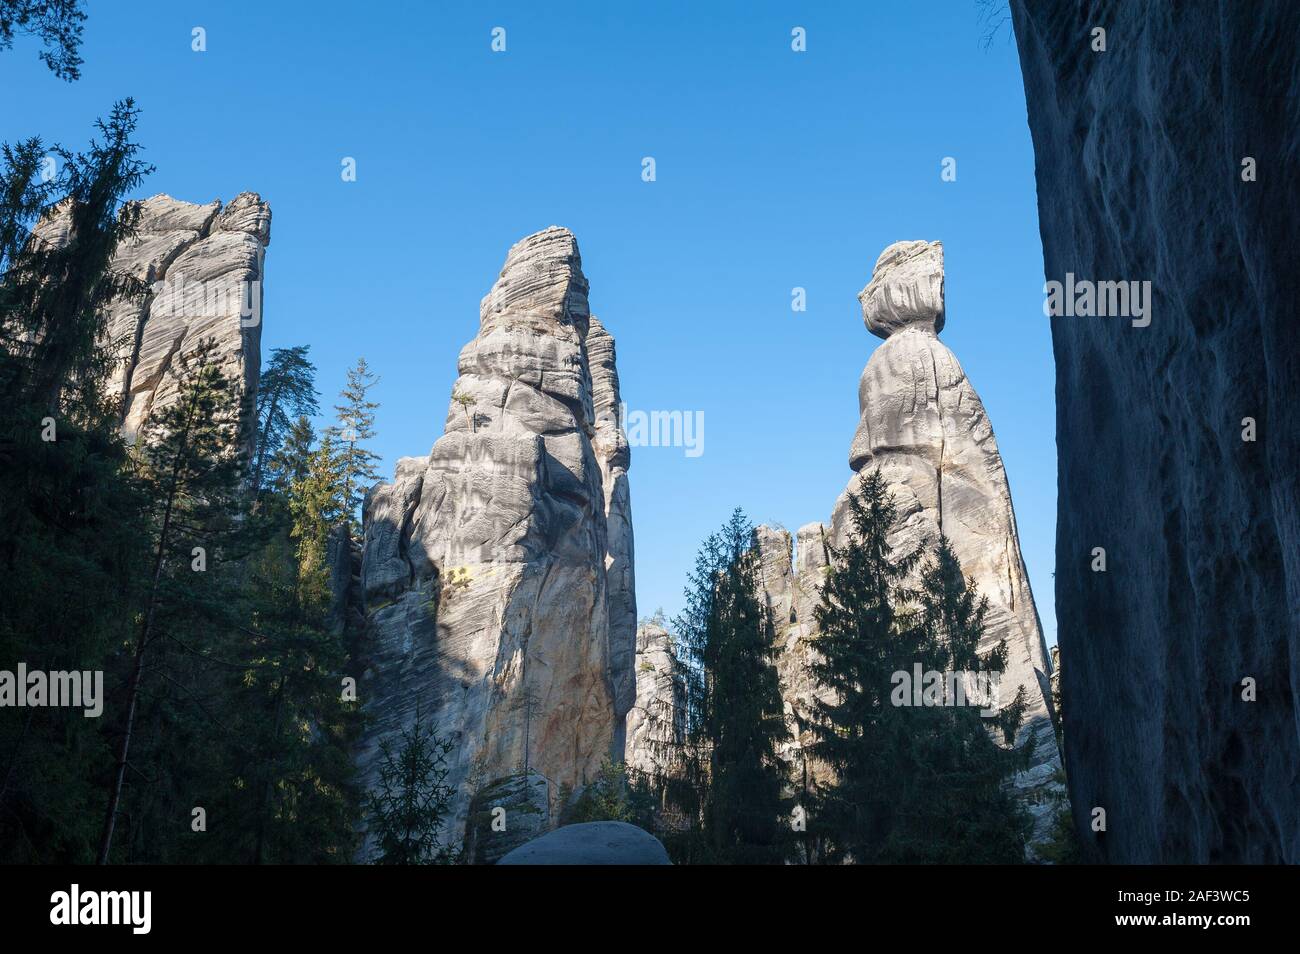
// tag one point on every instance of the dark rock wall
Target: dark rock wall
(1139, 152)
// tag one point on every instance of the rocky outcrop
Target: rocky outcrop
(654, 721)
(202, 269)
(609, 443)
(499, 602)
(1170, 157)
(923, 426)
(505, 814)
(591, 843)
(792, 589)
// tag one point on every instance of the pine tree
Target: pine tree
(285, 391)
(317, 504)
(615, 794)
(292, 459)
(355, 425)
(58, 23)
(222, 683)
(55, 295)
(967, 752)
(72, 538)
(862, 640)
(915, 784)
(727, 775)
(190, 469)
(409, 806)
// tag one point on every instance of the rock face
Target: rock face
(591, 843)
(923, 425)
(497, 570)
(203, 265)
(520, 805)
(654, 718)
(1144, 158)
(792, 587)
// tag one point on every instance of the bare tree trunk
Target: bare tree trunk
(266, 776)
(146, 633)
(261, 443)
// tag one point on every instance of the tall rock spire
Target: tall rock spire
(497, 570)
(923, 425)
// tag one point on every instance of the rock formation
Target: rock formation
(497, 570)
(923, 426)
(1170, 157)
(591, 843)
(202, 266)
(655, 715)
(792, 587)
(521, 802)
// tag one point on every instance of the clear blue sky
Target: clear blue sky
(775, 169)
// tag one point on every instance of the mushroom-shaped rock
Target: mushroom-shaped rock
(906, 289)
(591, 843)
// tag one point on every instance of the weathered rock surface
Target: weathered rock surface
(1139, 161)
(923, 426)
(906, 289)
(653, 723)
(505, 814)
(591, 843)
(793, 592)
(614, 456)
(487, 565)
(203, 265)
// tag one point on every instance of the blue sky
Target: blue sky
(775, 169)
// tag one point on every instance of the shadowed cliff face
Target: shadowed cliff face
(1143, 175)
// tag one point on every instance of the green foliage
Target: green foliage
(155, 567)
(317, 505)
(54, 295)
(285, 391)
(71, 545)
(408, 808)
(58, 25)
(912, 784)
(726, 775)
(1062, 846)
(355, 424)
(614, 795)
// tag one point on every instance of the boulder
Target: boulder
(591, 843)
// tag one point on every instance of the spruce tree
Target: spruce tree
(862, 640)
(58, 24)
(355, 424)
(967, 747)
(286, 390)
(72, 540)
(55, 295)
(317, 504)
(911, 783)
(727, 775)
(189, 467)
(408, 808)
